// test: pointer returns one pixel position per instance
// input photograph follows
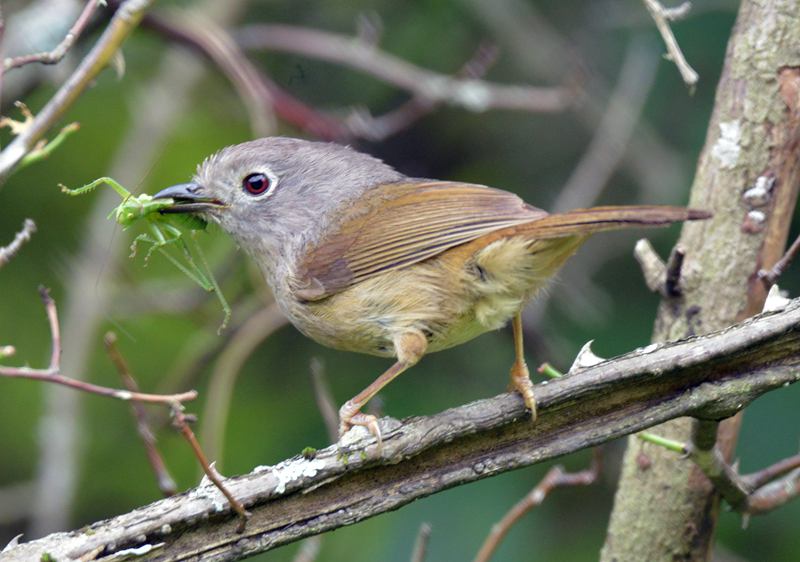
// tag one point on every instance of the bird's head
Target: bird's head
(277, 194)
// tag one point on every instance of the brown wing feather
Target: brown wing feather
(405, 224)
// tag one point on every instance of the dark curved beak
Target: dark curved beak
(189, 198)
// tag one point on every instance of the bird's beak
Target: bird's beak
(189, 198)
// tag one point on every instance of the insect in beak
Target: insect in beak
(188, 198)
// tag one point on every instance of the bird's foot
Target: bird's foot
(350, 415)
(521, 382)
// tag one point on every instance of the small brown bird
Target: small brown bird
(362, 258)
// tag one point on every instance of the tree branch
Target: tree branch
(122, 24)
(710, 377)
(471, 94)
(662, 16)
(54, 56)
(24, 235)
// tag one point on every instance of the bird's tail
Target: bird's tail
(588, 221)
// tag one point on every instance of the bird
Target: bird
(363, 258)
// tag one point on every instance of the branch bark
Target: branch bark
(710, 377)
(752, 141)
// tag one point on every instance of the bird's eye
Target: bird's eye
(256, 184)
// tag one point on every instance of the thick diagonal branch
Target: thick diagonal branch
(710, 377)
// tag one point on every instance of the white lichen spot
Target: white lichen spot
(295, 469)
(210, 493)
(650, 348)
(759, 194)
(756, 217)
(585, 358)
(123, 395)
(138, 551)
(776, 300)
(473, 95)
(727, 148)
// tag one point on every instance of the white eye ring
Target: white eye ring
(260, 184)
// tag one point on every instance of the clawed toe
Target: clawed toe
(521, 382)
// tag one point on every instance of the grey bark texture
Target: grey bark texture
(710, 377)
(748, 176)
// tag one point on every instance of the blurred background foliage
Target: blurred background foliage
(273, 415)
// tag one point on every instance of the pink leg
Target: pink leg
(409, 347)
(520, 377)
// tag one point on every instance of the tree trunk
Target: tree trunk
(748, 175)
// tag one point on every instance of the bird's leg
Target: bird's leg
(409, 347)
(520, 377)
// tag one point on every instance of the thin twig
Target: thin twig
(775, 494)
(754, 494)
(165, 481)
(324, 397)
(363, 124)
(471, 94)
(771, 275)
(613, 134)
(653, 267)
(556, 477)
(52, 372)
(662, 16)
(672, 281)
(182, 423)
(122, 24)
(758, 479)
(227, 55)
(421, 544)
(227, 367)
(24, 235)
(55, 56)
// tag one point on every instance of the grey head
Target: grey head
(277, 195)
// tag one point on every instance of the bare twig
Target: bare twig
(653, 268)
(771, 275)
(227, 367)
(325, 402)
(556, 477)
(165, 481)
(226, 54)
(52, 372)
(775, 494)
(753, 494)
(54, 56)
(24, 235)
(421, 544)
(122, 24)
(362, 124)
(662, 16)
(471, 94)
(181, 421)
(672, 283)
(610, 140)
(758, 479)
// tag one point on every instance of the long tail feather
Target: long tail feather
(597, 219)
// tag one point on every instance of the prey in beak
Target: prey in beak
(188, 198)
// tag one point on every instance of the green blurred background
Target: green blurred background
(599, 296)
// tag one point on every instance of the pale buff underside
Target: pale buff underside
(483, 293)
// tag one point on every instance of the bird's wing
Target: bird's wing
(403, 224)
